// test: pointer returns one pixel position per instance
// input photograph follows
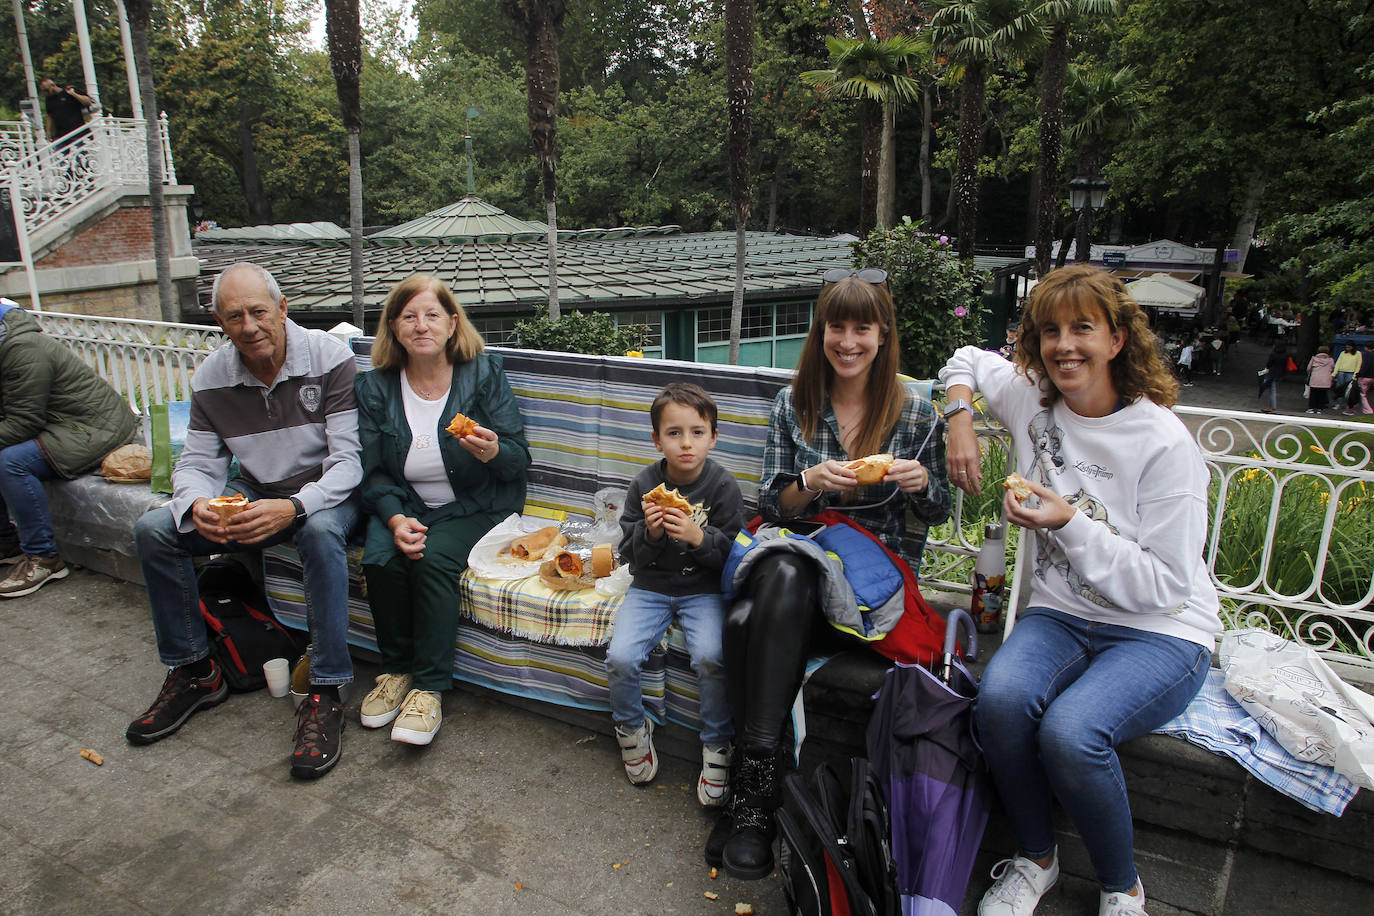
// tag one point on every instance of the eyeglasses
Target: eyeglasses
(874, 275)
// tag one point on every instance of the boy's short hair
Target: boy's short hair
(686, 394)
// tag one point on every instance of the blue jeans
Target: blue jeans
(640, 624)
(22, 472)
(165, 555)
(1056, 700)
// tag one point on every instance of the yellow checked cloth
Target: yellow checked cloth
(530, 609)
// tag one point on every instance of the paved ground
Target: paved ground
(509, 812)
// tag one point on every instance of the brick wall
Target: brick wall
(124, 235)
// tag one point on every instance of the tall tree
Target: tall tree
(877, 73)
(140, 12)
(739, 90)
(975, 35)
(542, 21)
(1057, 17)
(1103, 106)
(343, 32)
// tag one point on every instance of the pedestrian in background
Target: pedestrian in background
(1320, 369)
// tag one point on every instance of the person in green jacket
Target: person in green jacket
(57, 419)
(432, 494)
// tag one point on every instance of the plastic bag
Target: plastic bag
(128, 464)
(161, 466)
(1297, 698)
(487, 558)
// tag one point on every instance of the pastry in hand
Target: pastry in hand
(461, 426)
(228, 506)
(1017, 485)
(870, 470)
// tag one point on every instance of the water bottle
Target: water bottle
(989, 575)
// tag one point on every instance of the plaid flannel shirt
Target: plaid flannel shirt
(919, 434)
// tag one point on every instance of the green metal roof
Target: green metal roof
(470, 219)
(637, 272)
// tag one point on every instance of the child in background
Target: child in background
(675, 558)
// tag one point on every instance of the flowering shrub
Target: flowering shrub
(939, 298)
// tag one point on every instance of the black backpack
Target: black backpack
(835, 853)
(243, 633)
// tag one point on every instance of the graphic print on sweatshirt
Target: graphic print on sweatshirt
(1048, 460)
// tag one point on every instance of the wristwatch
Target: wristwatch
(300, 509)
(953, 407)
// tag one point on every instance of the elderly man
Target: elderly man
(57, 420)
(280, 400)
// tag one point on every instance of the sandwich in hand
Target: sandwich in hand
(461, 426)
(532, 546)
(668, 499)
(870, 470)
(1017, 485)
(228, 506)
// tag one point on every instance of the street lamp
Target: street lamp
(1087, 195)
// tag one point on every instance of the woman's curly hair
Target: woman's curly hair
(1137, 371)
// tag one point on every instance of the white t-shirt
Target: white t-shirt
(1132, 553)
(424, 468)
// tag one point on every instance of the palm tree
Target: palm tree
(343, 33)
(1105, 108)
(140, 11)
(974, 35)
(739, 80)
(877, 73)
(1056, 16)
(542, 21)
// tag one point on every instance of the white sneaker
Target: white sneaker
(713, 785)
(419, 719)
(1020, 884)
(637, 750)
(1122, 904)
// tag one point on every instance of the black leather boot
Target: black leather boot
(748, 851)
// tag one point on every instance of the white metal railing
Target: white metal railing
(107, 152)
(16, 142)
(149, 362)
(1290, 541)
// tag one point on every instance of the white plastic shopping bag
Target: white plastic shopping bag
(490, 557)
(1297, 698)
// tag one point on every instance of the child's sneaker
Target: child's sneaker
(713, 786)
(637, 750)
(1019, 885)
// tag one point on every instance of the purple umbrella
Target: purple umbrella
(922, 750)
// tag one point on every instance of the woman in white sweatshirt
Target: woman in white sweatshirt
(1122, 618)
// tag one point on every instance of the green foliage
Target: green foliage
(938, 297)
(581, 332)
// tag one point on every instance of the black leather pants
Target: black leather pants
(768, 633)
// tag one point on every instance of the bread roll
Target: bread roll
(603, 560)
(870, 470)
(532, 546)
(461, 426)
(228, 506)
(567, 564)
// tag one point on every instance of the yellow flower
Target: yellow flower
(1317, 448)
(637, 353)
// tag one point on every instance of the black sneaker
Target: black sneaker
(319, 737)
(181, 697)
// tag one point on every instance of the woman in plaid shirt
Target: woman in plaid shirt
(846, 402)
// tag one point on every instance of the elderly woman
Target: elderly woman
(431, 495)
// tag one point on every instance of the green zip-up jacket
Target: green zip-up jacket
(47, 393)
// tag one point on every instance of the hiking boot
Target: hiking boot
(31, 574)
(10, 550)
(713, 785)
(1122, 904)
(319, 737)
(637, 751)
(748, 853)
(383, 702)
(300, 679)
(181, 697)
(1019, 885)
(420, 717)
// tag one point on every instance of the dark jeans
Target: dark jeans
(22, 472)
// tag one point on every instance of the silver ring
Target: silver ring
(963, 473)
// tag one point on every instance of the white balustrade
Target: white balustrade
(1290, 542)
(16, 142)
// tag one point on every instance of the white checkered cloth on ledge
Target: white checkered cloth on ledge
(1215, 722)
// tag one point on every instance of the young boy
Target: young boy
(675, 558)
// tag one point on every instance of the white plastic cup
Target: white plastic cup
(278, 673)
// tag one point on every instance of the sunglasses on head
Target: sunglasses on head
(874, 275)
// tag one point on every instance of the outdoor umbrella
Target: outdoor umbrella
(921, 748)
